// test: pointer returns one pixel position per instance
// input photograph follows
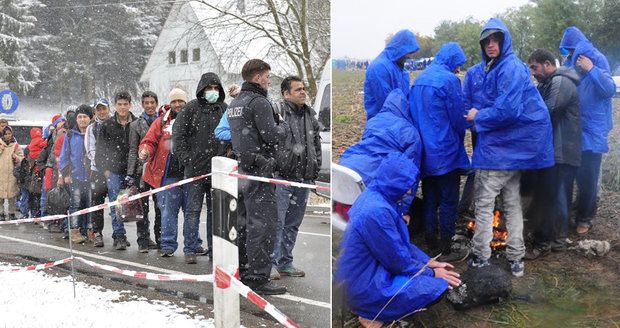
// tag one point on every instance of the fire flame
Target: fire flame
(499, 234)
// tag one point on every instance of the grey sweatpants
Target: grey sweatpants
(488, 184)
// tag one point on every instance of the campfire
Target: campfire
(499, 232)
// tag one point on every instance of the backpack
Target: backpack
(57, 201)
(35, 183)
(20, 172)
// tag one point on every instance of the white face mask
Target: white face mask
(211, 96)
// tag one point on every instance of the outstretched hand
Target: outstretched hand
(452, 277)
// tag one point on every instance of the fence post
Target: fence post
(225, 251)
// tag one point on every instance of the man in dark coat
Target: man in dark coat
(256, 130)
(558, 87)
(300, 162)
(193, 141)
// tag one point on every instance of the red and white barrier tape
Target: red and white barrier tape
(273, 181)
(110, 204)
(38, 266)
(224, 280)
(148, 275)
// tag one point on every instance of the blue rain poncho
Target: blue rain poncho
(595, 91)
(513, 124)
(377, 259)
(384, 75)
(391, 130)
(437, 108)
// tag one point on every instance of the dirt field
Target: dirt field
(563, 289)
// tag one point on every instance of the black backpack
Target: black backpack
(57, 201)
(21, 172)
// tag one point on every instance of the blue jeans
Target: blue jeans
(80, 199)
(587, 184)
(23, 202)
(195, 192)
(441, 192)
(115, 182)
(291, 209)
(170, 202)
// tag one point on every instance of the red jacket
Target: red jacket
(157, 143)
(36, 143)
(50, 182)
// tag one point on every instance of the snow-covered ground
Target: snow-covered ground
(36, 299)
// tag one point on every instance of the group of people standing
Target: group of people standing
(556, 131)
(94, 153)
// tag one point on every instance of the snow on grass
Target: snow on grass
(36, 299)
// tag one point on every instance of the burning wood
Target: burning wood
(499, 233)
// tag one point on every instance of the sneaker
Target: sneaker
(517, 268)
(166, 252)
(536, 252)
(121, 243)
(583, 228)
(559, 245)
(143, 248)
(152, 244)
(190, 259)
(476, 262)
(270, 288)
(98, 241)
(275, 275)
(291, 272)
(201, 251)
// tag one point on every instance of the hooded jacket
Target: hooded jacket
(384, 74)
(472, 86)
(513, 124)
(72, 159)
(157, 142)
(193, 137)
(595, 91)
(255, 130)
(113, 145)
(8, 182)
(391, 130)
(377, 258)
(37, 144)
(559, 92)
(90, 140)
(438, 110)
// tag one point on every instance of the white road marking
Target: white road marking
(314, 234)
(290, 297)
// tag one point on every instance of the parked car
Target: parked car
(322, 106)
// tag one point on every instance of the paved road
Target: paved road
(306, 303)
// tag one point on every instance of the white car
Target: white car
(347, 185)
(322, 107)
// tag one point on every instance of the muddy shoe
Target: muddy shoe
(454, 255)
(536, 252)
(76, 236)
(291, 272)
(153, 245)
(190, 259)
(559, 245)
(583, 228)
(275, 275)
(98, 241)
(121, 243)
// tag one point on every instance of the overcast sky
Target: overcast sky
(360, 27)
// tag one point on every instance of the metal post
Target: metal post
(225, 250)
(71, 249)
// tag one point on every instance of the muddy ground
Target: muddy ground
(565, 289)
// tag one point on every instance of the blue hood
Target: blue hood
(450, 55)
(572, 36)
(496, 24)
(395, 176)
(402, 43)
(396, 103)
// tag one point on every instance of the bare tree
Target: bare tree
(293, 34)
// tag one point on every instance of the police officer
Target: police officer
(256, 131)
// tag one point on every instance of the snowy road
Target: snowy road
(307, 302)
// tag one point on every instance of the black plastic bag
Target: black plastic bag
(57, 201)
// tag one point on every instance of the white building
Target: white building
(189, 46)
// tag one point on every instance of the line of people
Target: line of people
(556, 131)
(91, 153)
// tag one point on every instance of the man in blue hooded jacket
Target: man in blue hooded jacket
(384, 276)
(391, 130)
(438, 111)
(387, 72)
(514, 133)
(595, 92)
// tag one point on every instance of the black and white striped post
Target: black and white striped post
(225, 250)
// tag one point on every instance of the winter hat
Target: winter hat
(57, 119)
(177, 94)
(84, 109)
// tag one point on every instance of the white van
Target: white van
(21, 128)
(322, 107)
